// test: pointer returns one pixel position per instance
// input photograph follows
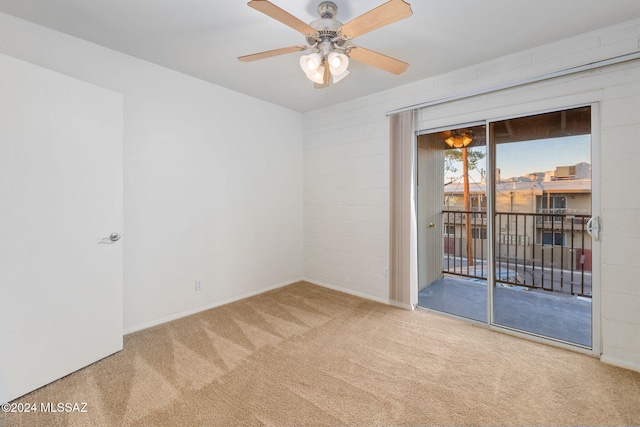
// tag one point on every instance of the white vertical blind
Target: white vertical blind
(402, 216)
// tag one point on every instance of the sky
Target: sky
(520, 158)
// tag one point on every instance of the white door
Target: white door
(60, 195)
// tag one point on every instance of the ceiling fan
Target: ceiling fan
(330, 40)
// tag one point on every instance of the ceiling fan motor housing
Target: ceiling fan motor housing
(326, 26)
(327, 9)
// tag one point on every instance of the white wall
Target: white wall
(346, 167)
(212, 179)
(346, 213)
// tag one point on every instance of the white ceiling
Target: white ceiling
(203, 38)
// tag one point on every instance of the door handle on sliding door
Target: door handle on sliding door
(593, 227)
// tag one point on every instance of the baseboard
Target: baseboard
(620, 363)
(347, 291)
(401, 305)
(207, 307)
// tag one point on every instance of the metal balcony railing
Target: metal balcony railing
(548, 251)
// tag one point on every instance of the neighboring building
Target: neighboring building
(541, 218)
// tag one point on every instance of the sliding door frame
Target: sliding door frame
(560, 104)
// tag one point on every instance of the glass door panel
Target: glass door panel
(452, 222)
(541, 206)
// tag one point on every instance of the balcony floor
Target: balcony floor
(553, 315)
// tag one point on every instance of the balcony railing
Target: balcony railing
(548, 251)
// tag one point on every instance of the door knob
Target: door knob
(113, 237)
(432, 225)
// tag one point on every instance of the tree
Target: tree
(454, 155)
(469, 159)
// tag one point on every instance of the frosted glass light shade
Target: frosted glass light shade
(317, 76)
(310, 63)
(338, 77)
(338, 63)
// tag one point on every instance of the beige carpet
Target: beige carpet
(303, 355)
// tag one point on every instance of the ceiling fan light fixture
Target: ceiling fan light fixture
(338, 63)
(310, 63)
(337, 77)
(329, 39)
(458, 140)
(316, 76)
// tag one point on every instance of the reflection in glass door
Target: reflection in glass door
(541, 206)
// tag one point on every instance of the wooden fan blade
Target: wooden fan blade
(270, 53)
(385, 14)
(378, 60)
(285, 17)
(325, 78)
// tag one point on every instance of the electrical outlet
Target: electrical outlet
(198, 284)
(386, 272)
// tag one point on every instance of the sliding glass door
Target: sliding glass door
(503, 209)
(541, 206)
